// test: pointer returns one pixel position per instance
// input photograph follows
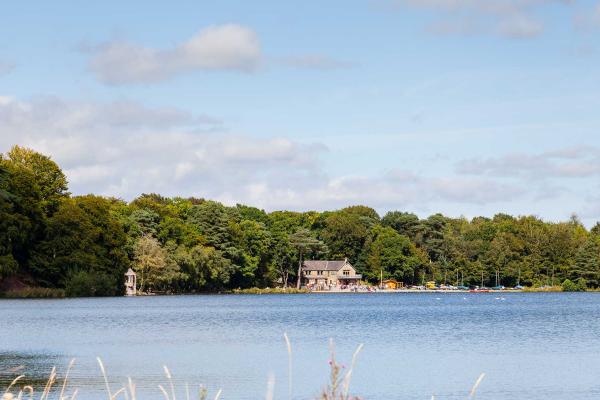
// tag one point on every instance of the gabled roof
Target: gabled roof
(324, 265)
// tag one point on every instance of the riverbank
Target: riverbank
(270, 291)
(33, 293)
(419, 291)
(51, 293)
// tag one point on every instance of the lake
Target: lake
(529, 345)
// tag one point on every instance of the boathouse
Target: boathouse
(391, 284)
(328, 274)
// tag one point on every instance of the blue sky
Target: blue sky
(465, 107)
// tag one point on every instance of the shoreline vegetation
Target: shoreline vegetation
(54, 244)
(47, 293)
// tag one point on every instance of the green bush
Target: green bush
(582, 284)
(579, 286)
(90, 284)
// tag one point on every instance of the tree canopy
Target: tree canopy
(84, 244)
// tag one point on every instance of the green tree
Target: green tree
(214, 222)
(22, 218)
(255, 241)
(8, 264)
(595, 231)
(82, 235)
(283, 256)
(404, 223)
(150, 262)
(304, 243)
(89, 284)
(587, 262)
(211, 270)
(391, 255)
(46, 174)
(346, 232)
(579, 286)
(144, 221)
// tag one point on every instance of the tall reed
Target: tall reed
(337, 388)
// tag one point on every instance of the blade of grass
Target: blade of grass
(64, 385)
(475, 386)
(13, 383)
(349, 373)
(289, 351)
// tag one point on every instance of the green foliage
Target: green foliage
(392, 255)
(578, 286)
(596, 230)
(210, 269)
(346, 232)
(88, 284)
(306, 245)
(46, 174)
(82, 235)
(404, 223)
(85, 244)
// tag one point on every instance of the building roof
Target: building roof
(129, 272)
(324, 265)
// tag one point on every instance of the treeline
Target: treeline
(84, 244)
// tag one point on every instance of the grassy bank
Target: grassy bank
(533, 289)
(34, 293)
(270, 291)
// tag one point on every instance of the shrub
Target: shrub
(89, 284)
(582, 284)
(579, 286)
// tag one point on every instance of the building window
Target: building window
(319, 272)
(346, 272)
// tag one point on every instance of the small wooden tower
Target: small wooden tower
(130, 283)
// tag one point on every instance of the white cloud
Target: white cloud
(124, 149)
(223, 47)
(509, 18)
(576, 162)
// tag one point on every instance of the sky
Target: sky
(464, 107)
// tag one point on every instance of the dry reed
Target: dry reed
(338, 387)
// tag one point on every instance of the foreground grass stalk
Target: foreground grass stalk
(476, 385)
(338, 387)
(289, 351)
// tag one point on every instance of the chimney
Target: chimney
(345, 260)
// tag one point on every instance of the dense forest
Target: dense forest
(84, 244)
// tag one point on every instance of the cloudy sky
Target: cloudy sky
(466, 107)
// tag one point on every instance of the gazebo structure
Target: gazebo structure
(130, 283)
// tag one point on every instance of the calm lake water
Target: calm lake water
(531, 346)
